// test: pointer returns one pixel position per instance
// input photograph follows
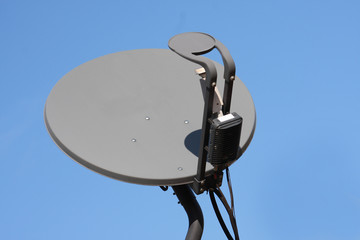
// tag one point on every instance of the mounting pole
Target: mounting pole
(193, 210)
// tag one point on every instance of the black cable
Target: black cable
(230, 210)
(219, 217)
(230, 190)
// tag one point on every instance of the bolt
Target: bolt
(232, 78)
(180, 168)
(186, 121)
(213, 84)
(147, 118)
(133, 140)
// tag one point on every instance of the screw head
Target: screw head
(147, 118)
(186, 121)
(213, 84)
(133, 139)
(232, 78)
(180, 168)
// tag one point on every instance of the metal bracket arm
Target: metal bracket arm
(190, 46)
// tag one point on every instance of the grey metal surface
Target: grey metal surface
(136, 116)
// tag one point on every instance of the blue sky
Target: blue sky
(299, 178)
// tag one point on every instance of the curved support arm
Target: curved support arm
(193, 210)
(229, 75)
(229, 65)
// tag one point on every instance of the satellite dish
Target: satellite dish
(136, 116)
